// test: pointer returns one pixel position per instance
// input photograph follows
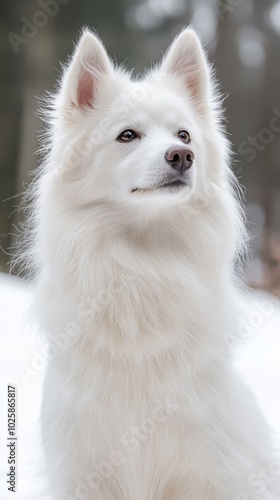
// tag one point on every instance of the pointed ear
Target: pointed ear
(87, 66)
(185, 59)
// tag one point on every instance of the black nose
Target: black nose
(179, 158)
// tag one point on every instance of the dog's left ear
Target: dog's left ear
(186, 60)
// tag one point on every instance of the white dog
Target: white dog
(138, 231)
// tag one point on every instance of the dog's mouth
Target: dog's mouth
(171, 187)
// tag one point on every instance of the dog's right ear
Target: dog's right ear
(88, 65)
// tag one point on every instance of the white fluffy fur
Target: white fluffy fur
(137, 291)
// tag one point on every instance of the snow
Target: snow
(16, 345)
(22, 364)
(258, 356)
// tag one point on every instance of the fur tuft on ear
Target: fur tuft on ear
(89, 62)
(185, 59)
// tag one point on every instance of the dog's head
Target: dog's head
(149, 142)
(138, 160)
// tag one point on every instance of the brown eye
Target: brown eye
(184, 136)
(127, 135)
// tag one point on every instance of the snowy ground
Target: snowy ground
(22, 365)
(17, 345)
